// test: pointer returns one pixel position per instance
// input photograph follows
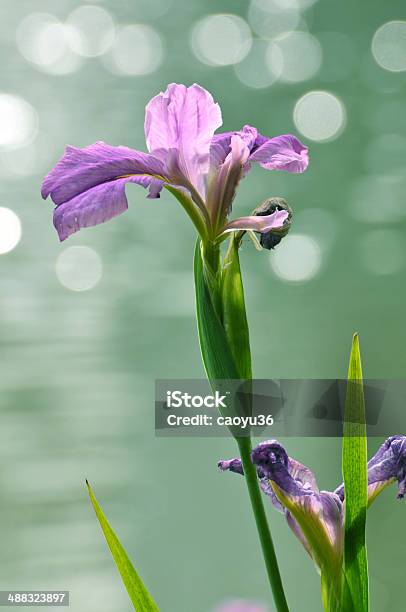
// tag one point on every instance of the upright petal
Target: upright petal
(221, 143)
(224, 182)
(88, 185)
(281, 153)
(182, 120)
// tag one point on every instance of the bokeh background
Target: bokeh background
(88, 325)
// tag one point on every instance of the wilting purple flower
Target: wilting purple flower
(239, 605)
(200, 168)
(316, 517)
(386, 466)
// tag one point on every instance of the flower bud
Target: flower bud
(271, 239)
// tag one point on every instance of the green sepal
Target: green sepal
(137, 591)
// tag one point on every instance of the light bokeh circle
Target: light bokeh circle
(18, 122)
(389, 46)
(221, 39)
(319, 116)
(46, 42)
(295, 56)
(270, 18)
(10, 230)
(297, 258)
(94, 28)
(254, 71)
(137, 50)
(79, 268)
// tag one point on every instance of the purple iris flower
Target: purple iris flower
(388, 465)
(317, 517)
(200, 168)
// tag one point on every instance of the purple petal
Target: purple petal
(94, 206)
(290, 475)
(386, 466)
(240, 606)
(224, 183)
(281, 153)
(233, 465)
(221, 143)
(87, 185)
(82, 169)
(316, 518)
(183, 120)
(258, 224)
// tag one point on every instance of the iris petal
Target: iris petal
(94, 206)
(282, 153)
(88, 185)
(81, 169)
(386, 466)
(183, 119)
(316, 518)
(258, 224)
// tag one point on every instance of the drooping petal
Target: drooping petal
(88, 185)
(182, 121)
(232, 465)
(94, 206)
(81, 169)
(386, 466)
(315, 517)
(258, 224)
(281, 153)
(235, 465)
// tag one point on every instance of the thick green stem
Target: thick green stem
(213, 305)
(264, 533)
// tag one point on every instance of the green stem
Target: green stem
(212, 272)
(264, 533)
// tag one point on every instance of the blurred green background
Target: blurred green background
(86, 331)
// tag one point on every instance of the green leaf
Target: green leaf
(215, 347)
(216, 354)
(140, 598)
(234, 312)
(355, 477)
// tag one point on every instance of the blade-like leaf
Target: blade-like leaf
(355, 477)
(140, 598)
